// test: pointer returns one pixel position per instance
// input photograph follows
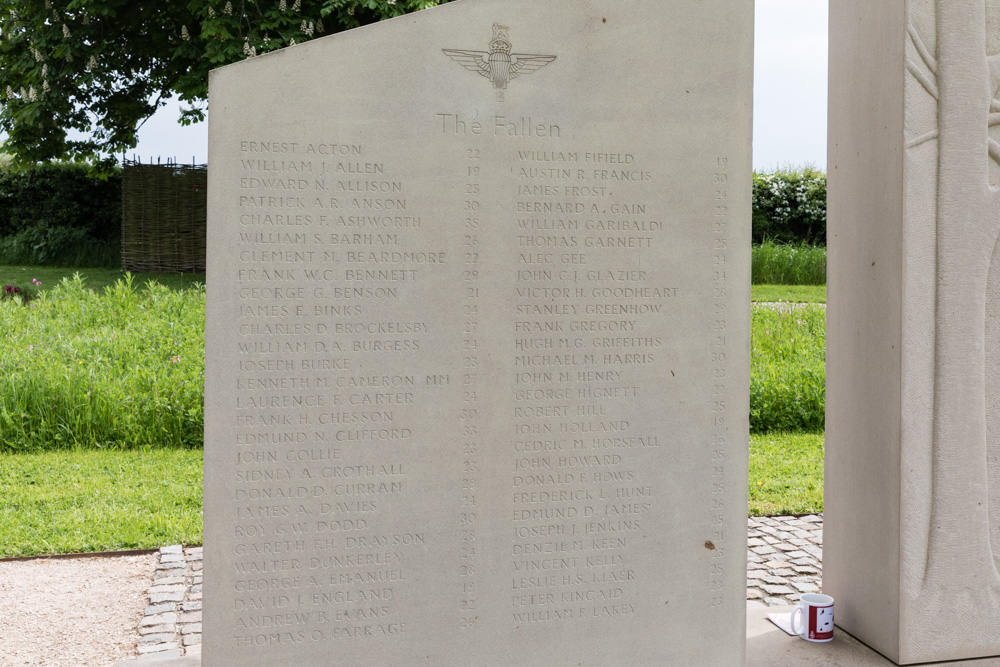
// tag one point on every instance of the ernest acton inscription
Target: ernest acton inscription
(477, 364)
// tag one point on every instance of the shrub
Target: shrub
(58, 246)
(792, 264)
(787, 368)
(789, 206)
(57, 214)
(120, 369)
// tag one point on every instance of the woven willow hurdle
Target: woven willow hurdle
(164, 213)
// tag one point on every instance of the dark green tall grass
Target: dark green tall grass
(94, 279)
(791, 264)
(119, 369)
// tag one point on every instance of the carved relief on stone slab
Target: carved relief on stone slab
(951, 332)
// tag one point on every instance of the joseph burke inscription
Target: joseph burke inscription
(477, 365)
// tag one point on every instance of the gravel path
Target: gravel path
(72, 612)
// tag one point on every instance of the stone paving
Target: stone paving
(784, 560)
(171, 626)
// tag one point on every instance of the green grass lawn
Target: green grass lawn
(82, 501)
(787, 368)
(793, 293)
(95, 279)
(101, 278)
(786, 473)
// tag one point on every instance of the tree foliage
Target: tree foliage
(103, 66)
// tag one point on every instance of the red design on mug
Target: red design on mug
(821, 623)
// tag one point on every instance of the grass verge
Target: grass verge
(83, 501)
(786, 473)
(95, 279)
(792, 293)
(788, 264)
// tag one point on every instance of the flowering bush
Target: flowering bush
(789, 206)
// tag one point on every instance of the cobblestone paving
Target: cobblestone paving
(784, 560)
(171, 625)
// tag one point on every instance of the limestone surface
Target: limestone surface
(913, 388)
(477, 340)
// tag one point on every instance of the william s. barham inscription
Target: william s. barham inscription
(477, 364)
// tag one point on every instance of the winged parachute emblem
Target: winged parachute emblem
(499, 65)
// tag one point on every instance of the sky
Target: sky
(789, 126)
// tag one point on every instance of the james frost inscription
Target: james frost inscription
(476, 384)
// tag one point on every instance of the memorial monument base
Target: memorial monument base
(767, 646)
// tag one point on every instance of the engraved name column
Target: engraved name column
(585, 322)
(327, 241)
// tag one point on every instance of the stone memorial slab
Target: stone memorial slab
(478, 339)
(912, 514)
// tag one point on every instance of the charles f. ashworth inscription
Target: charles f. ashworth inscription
(477, 368)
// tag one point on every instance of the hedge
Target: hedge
(58, 214)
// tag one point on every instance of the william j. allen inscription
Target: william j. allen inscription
(477, 363)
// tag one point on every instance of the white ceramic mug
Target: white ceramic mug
(817, 617)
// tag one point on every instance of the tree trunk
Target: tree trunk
(960, 576)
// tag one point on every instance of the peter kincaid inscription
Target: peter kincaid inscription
(499, 65)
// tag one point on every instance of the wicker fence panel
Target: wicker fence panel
(164, 213)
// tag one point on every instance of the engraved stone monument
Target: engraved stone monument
(477, 340)
(912, 522)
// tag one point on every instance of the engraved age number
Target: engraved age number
(468, 411)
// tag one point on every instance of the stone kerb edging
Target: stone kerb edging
(171, 626)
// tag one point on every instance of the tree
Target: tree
(104, 66)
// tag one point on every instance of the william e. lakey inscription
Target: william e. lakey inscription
(477, 340)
